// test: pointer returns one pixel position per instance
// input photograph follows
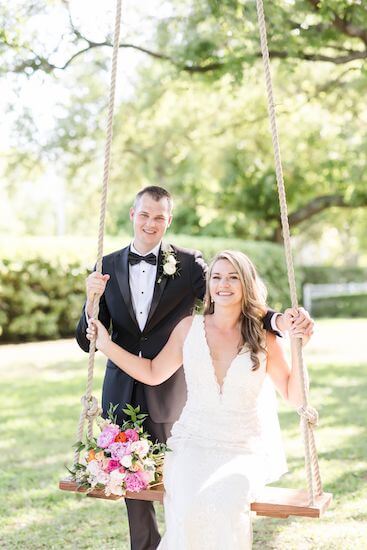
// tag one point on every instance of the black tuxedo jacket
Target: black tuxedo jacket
(173, 299)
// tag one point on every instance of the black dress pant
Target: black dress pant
(143, 527)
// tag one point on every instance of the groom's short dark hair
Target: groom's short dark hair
(157, 193)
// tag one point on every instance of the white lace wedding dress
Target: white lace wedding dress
(225, 446)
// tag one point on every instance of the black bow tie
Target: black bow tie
(136, 258)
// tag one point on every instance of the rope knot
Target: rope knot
(310, 414)
(90, 406)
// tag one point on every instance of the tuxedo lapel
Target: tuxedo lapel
(122, 274)
(158, 286)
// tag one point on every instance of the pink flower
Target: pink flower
(119, 450)
(107, 436)
(112, 465)
(135, 482)
(132, 435)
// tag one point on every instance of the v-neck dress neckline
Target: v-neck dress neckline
(220, 387)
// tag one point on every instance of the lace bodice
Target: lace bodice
(240, 415)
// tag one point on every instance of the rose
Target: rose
(121, 437)
(169, 269)
(171, 259)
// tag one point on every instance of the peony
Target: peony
(169, 269)
(136, 482)
(119, 450)
(132, 435)
(107, 436)
(112, 465)
(140, 447)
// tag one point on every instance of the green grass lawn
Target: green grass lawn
(40, 391)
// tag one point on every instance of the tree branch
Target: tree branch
(318, 205)
(343, 25)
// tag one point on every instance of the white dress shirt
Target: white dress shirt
(142, 278)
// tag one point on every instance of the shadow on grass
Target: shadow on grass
(40, 414)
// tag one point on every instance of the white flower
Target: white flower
(117, 477)
(126, 461)
(171, 259)
(114, 485)
(102, 477)
(140, 447)
(169, 269)
(150, 475)
(93, 467)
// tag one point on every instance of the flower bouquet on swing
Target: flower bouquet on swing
(122, 458)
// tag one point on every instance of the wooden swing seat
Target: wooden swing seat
(274, 502)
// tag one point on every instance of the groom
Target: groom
(145, 290)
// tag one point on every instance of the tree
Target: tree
(216, 36)
(198, 123)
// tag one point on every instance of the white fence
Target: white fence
(329, 291)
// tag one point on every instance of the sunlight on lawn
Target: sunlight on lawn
(41, 390)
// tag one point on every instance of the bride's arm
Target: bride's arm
(149, 371)
(286, 379)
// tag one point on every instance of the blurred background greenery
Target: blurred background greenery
(191, 116)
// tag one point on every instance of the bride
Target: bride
(226, 444)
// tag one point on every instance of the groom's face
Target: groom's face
(150, 219)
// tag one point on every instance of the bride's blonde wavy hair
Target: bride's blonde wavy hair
(253, 307)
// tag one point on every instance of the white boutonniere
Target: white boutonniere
(169, 265)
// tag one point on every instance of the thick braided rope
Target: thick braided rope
(311, 462)
(89, 409)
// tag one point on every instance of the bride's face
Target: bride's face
(224, 284)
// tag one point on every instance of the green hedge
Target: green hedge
(341, 306)
(331, 274)
(42, 298)
(39, 299)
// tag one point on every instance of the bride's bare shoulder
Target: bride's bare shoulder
(186, 322)
(183, 327)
